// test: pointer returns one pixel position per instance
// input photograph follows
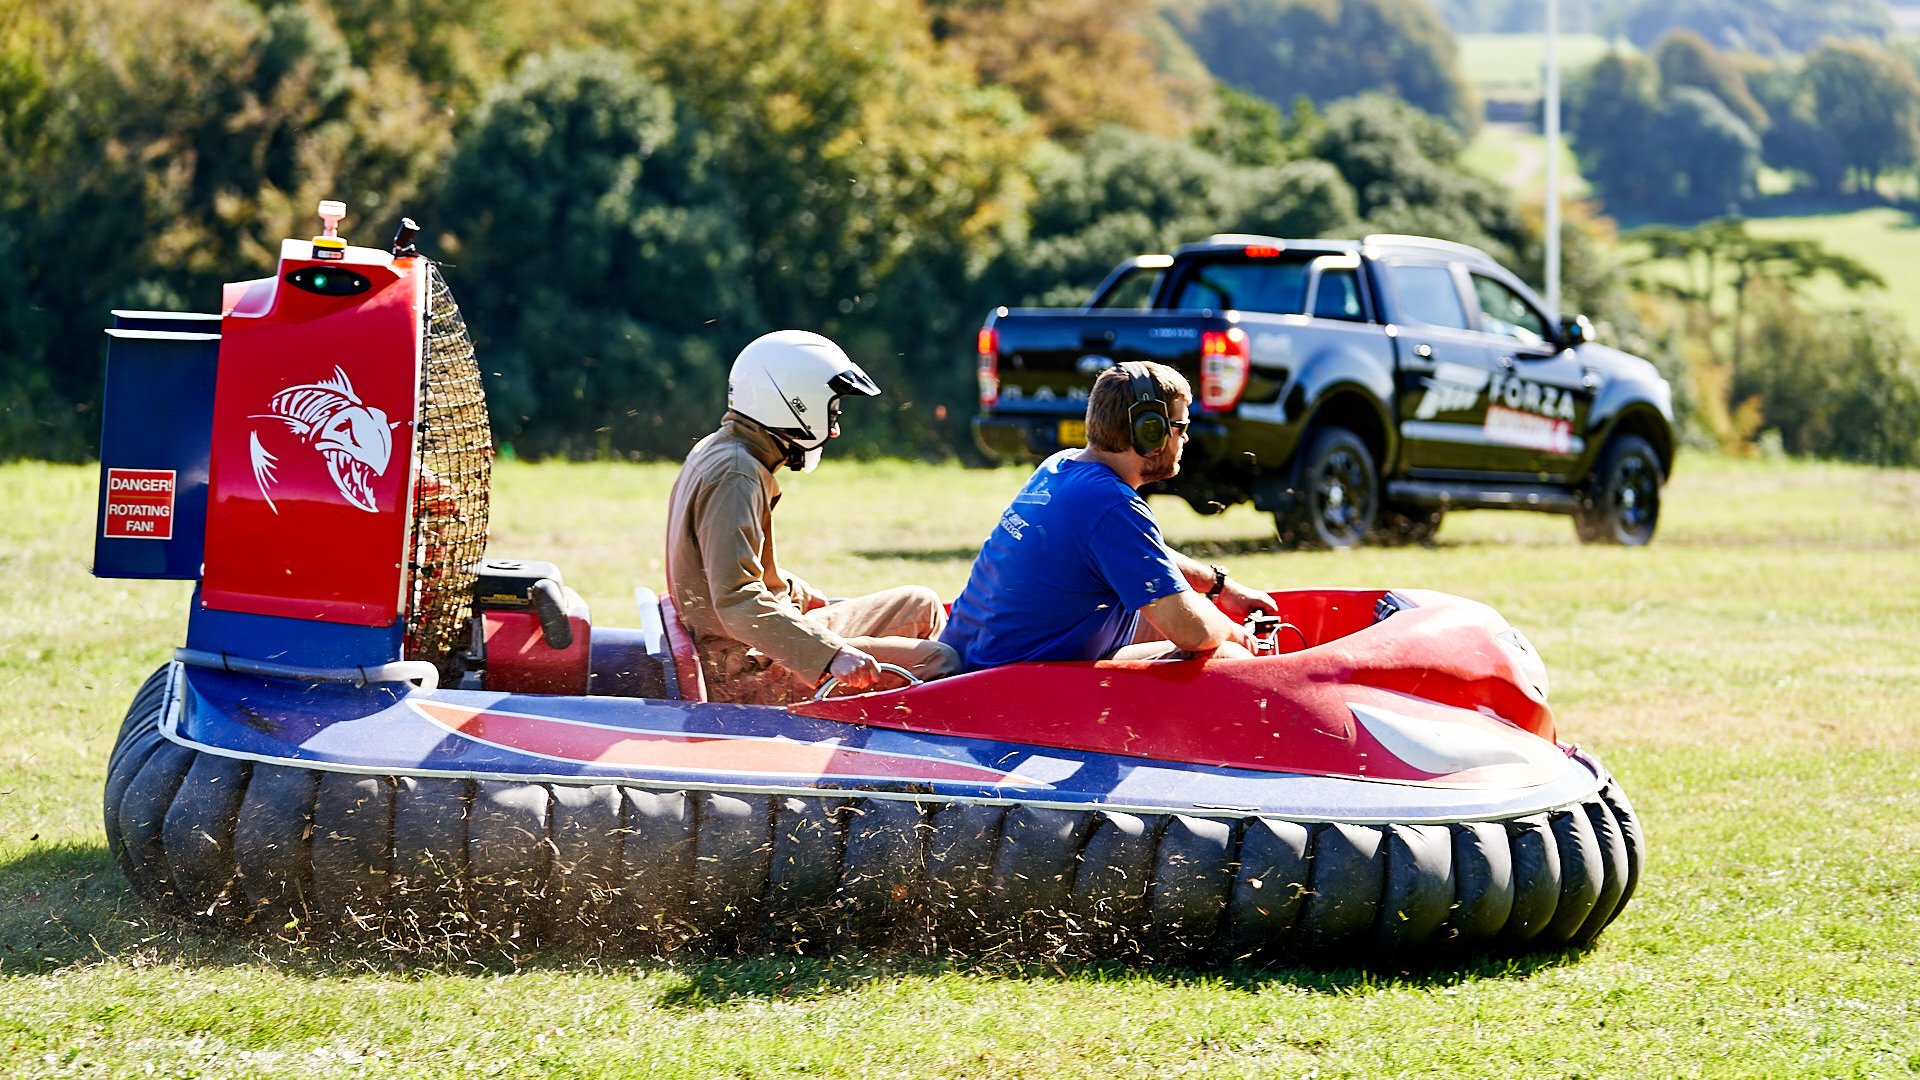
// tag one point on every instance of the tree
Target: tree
(1842, 384)
(1708, 156)
(1611, 114)
(1685, 59)
(599, 261)
(1724, 249)
(1403, 166)
(1760, 26)
(1331, 49)
(1075, 64)
(155, 150)
(1868, 100)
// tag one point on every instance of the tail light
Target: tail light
(989, 369)
(1224, 365)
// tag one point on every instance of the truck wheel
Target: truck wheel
(1622, 505)
(1405, 523)
(1339, 493)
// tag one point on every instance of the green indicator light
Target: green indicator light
(319, 281)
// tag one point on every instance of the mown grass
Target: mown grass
(1750, 677)
(1519, 61)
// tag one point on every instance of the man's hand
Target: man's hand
(854, 668)
(1239, 601)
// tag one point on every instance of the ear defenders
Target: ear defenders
(1148, 425)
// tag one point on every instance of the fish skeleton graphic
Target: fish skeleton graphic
(353, 437)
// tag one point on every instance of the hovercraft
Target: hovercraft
(372, 730)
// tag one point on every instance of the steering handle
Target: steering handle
(827, 687)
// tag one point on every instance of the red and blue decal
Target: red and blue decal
(755, 757)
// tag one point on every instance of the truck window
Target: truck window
(1135, 289)
(1427, 294)
(1338, 296)
(1506, 313)
(1273, 286)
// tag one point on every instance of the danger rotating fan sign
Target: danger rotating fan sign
(139, 504)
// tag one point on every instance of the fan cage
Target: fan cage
(455, 446)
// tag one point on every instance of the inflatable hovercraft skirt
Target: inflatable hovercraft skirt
(373, 732)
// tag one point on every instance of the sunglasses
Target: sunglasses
(1179, 426)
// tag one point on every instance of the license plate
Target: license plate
(1073, 433)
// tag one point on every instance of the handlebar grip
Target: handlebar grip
(550, 607)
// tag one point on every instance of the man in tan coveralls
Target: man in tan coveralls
(763, 635)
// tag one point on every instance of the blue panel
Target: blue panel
(306, 642)
(157, 417)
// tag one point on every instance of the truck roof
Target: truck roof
(1229, 241)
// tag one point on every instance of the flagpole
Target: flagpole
(1553, 157)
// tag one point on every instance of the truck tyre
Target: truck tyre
(1339, 493)
(1622, 504)
(1405, 523)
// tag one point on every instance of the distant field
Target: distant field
(1750, 677)
(1519, 61)
(1516, 156)
(1886, 239)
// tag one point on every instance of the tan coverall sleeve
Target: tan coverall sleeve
(804, 596)
(730, 525)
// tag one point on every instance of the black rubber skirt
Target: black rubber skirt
(237, 846)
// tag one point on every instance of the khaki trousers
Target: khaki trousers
(894, 626)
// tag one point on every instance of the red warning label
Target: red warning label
(139, 504)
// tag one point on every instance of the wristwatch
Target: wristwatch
(1219, 581)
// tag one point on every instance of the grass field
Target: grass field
(1750, 677)
(1519, 61)
(1516, 156)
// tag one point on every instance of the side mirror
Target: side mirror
(1575, 330)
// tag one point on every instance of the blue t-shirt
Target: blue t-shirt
(1065, 572)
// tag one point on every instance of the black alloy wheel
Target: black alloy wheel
(1623, 505)
(1339, 496)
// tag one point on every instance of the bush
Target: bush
(1842, 384)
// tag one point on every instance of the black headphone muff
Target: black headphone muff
(1148, 425)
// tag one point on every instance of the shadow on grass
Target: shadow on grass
(924, 555)
(68, 906)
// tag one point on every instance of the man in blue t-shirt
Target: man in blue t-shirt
(1077, 558)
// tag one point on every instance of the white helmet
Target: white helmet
(788, 381)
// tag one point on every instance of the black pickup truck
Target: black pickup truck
(1355, 389)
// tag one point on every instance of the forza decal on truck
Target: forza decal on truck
(1451, 388)
(1527, 414)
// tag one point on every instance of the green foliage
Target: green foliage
(1403, 166)
(1868, 99)
(1834, 384)
(1685, 59)
(645, 187)
(1760, 26)
(154, 150)
(1672, 144)
(600, 258)
(1331, 49)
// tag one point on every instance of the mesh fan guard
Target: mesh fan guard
(455, 445)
